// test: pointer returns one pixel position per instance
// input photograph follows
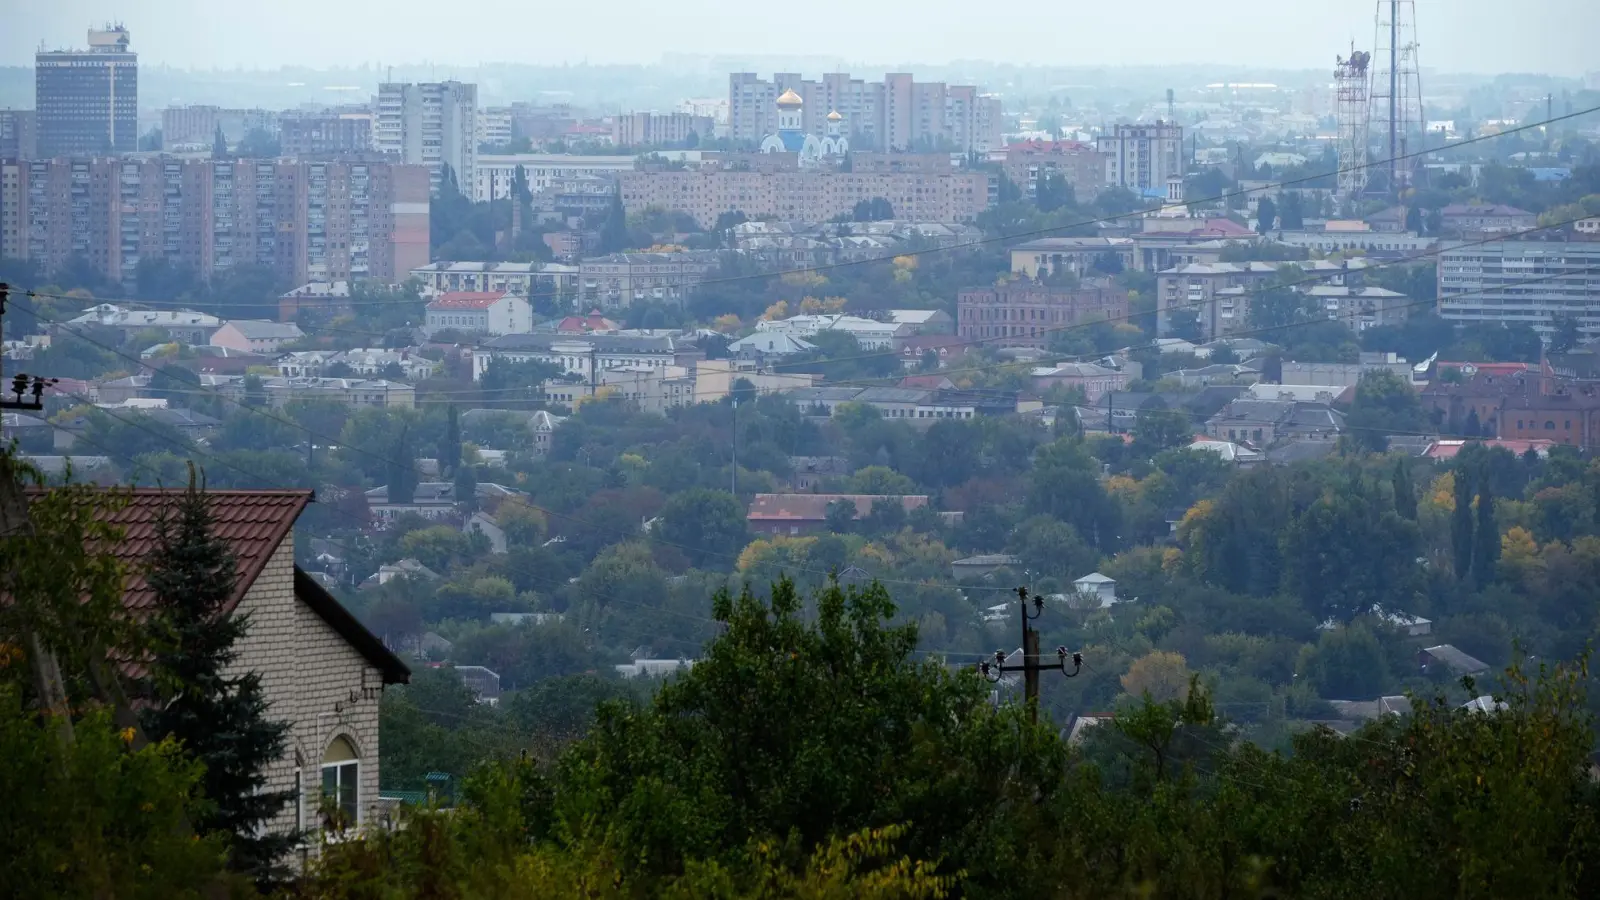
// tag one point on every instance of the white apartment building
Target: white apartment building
(584, 356)
(1522, 282)
(493, 174)
(485, 312)
(433, 124)
(494, 125)
(870, 334)
(551, 280)
(897, 113)
(1142, 157)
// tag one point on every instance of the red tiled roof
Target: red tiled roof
(467, 300)
(814, 507)
(1449, 448)
(253, 523)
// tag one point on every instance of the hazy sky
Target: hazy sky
(1489, 36)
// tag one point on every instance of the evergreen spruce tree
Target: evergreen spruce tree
(1405, 496)
(220, 717)
(614, 229)
(450, 445)
(219, 145)
(402, 481)
(1486, 544)
(1461, 523)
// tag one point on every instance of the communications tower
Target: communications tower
(1351, 107)
(1396, 88)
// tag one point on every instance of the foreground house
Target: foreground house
(321, 670)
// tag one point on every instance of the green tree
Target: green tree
(219, 717)
(840, 517)
(1155, 430)
(1405, 495)
(450, 444)
(708, 526)
(1565, 335)
(219, 145)
(614, 228)
(1266, 215)
(402, 464)
(1461, 541)
(1384, 405)
(1486, 541)
(1066, 485)
(810, 728)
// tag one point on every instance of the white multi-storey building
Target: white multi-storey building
(1142, 157)
(1522, 282)
(433, 124)
(493, 175)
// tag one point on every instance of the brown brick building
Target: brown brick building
(1025, 312)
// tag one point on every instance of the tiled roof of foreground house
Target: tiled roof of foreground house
(254, 524)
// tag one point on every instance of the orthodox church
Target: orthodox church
(792, 137)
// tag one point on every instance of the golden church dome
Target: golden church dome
(835, 117)
(789, 99)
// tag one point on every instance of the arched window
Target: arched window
(1549, 425)
(341, 779)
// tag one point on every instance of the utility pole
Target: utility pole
(21, 384)
(734, 440)
(1030, 666)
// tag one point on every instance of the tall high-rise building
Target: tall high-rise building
(306, 220)
(86, 101)
(895, 114)
(1142, 157)
(434, 124)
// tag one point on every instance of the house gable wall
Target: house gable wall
(313, 679)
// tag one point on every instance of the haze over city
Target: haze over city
(1481, 36)
(908, 450)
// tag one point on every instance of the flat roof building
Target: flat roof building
(87, 101)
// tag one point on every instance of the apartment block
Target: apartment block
(1219, 294)
(308, 221)
(896, 114)
(19, 134)
(1024, 313)
(494, 174)
(495, 125)
(324, 135)
(1142, 157)
(660, 129)
(806, 196)
(434, 124)
(196, 126)
(1079, 164)
(87, 100)
(1523, 282)
(619, 280)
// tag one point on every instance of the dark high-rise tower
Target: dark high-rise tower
(86, 101)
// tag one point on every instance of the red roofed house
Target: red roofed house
(321, 670)
(593, 322)
(794, 514)
(1447, 449)
(481, 312)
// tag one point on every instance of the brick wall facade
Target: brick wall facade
(313, 679)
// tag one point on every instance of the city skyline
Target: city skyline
(1478, 36)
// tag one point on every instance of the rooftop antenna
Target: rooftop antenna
(1172, 108)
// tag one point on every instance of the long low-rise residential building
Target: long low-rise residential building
(1026, 313)
(582, 356)
(619, 280)
(794, 514)
(807, 196)
(494, 173)
(870, 334)
(552, 281)
(1204, 290)
(1523, 282)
